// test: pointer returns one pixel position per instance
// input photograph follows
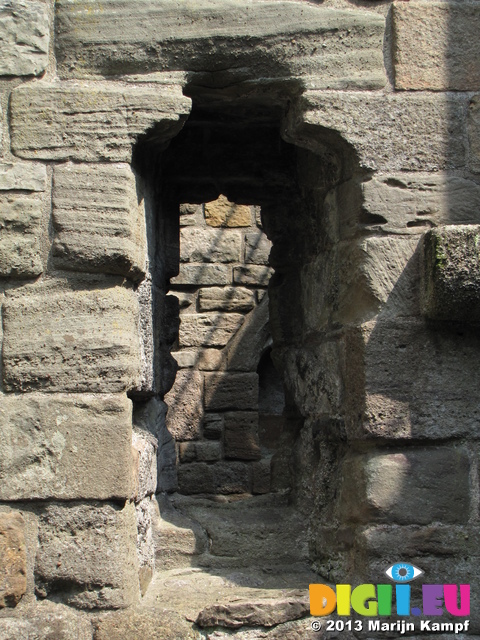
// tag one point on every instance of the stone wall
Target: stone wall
(357, 132)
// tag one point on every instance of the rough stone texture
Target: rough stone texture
(257, 248)
(208, 451)
(250, 340)
(203, 274)
(208, 329)
(195, 477)
(473, 124)
(295, 630)
(24, 37)
(252, 275)
(412, 202)
(185, 405)
(404, 379)
(90, 122)
(223, 213)
(436, 46)
(98, 219)
(264, 613)
(231, 391)
(13, 559)
(45, 621)
(265, 40)
(20, 226)
(261, 476)
(147, 514)
(27, 176)
(89, 340)
(210, 245)
(203, 359)
(231, 477)
(87, 555)
(60, 447)
(241, 435)
(389, 487)
(451, 274)
(152, 623)
(390, 132)
(145, 444)
(226, 299)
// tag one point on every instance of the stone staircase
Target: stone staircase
(225, 567)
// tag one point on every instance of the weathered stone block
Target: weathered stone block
(407, 132)
(473, 125)
(91, 122)
(13, 559)
(223, 213)
(254, 275)
(185, 405)
(203, 274)
(226, 299)
(404, 379)
(20, 225)
(451, 273)
(196, 477)
(436, 46)
(213, 426)
(257, 248)
(241, 435)
(27, 176)
(264, 40)
(231, 391)
(98, 220)
(88, 342)
(148, 622)
(210, 245)
(87, 555)
(231, 477)
(262, 613)
(44, 621)
(208, 329)
(187, 452)
(203, 359)
(60, 447)
(250, 340)
(390, 487)
(24, 38)
(208, 451)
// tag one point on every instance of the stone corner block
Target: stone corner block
(13, 559)
(87, 555)
(98, 219)
(24, 38)
(451, 274)
(60, 447)
(91, 122)
(88, 340)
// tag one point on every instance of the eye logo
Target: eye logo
(403, 572)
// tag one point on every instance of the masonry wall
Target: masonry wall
(375, 325)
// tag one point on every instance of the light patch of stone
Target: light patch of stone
(208, 329)
(24, 37)
(203, 274)
(98, 219)
(257, 248)
(223, 213)
(20, 229)
(27, 176)
(389, 486)
(226, 299)
(210, 245)
(90, 122)
(48, 450)
(185, 405)
(436, 46)
(89, 340)
(407, 132)
(13, 559)
(92, 549)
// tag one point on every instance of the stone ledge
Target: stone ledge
(24, 38)
(91, 122)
